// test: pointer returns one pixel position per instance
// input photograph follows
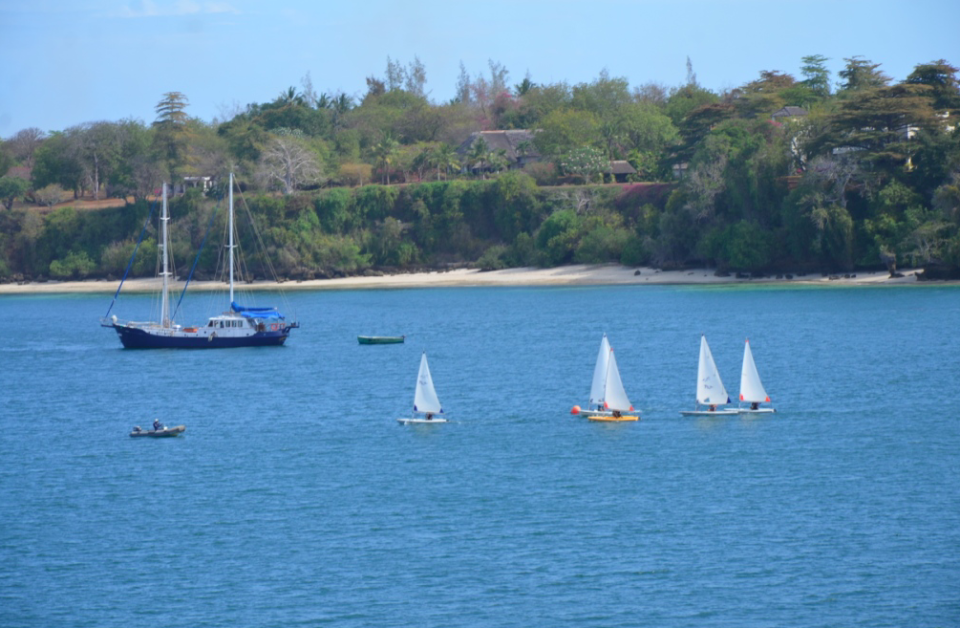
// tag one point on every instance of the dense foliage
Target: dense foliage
(777, 175)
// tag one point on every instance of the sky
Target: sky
(69, 62)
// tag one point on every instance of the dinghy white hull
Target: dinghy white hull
(757, 411)
(708, 412)
(420, 421)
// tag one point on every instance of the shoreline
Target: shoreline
(574, 275)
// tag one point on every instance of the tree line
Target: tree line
(780, 174)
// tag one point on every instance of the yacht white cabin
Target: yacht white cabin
(232, 324)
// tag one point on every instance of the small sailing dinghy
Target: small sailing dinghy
(710, 390)
(426, 404)
(751, 389)
(608, 399)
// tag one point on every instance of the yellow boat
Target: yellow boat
(612, 419)
(608, 399)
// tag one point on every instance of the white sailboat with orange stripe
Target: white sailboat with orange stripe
(711, 392)
(751, 388)
(608, 399)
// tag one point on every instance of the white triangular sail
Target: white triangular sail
(710, 390)
(751, 389)
(614, 394)
(425, 398)
(597, 392)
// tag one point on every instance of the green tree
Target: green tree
(12, 189)
(586, 162)
(516, 205)
(819, 227)
(746, 247)
(76, 265)
(687, 99)
(558, 235)
(445, 159)
(172, 130)
(386, 152)
(764, 95)
(874, 122)
(602, 241)
(640, 128)
(604, 97)
(56, 162)
(536, 103)
(477, 155)
(816, 75)
(860, 74)
(695, 127)
(563, 130)
(136, 172)
(423, 159)
(941, 77)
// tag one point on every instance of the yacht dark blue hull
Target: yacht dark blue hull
(240, 326)
(137, 338)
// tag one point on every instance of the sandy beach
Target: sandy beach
(576, 275)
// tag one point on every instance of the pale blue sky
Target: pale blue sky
(66, 62)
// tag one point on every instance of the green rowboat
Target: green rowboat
(380, 340)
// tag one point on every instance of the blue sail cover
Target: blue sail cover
(256, 312)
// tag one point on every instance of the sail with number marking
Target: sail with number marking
(710, 390)
(425, 398)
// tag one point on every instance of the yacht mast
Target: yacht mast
(165, 274)
(231, 239)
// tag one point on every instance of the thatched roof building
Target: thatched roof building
(517, 145)
(621, 169)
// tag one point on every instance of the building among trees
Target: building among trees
(481, 150)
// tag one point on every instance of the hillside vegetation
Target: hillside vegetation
(781, 174)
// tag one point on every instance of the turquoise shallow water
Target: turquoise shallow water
(294, 498)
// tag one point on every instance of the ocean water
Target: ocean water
(295, 499)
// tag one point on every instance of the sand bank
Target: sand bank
(577, 275)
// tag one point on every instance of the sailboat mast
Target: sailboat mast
(231, 238)
(165, 299)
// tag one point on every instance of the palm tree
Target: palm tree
(289, 97)
(498, 160)
(422, 161)
(386, 151)
(445, 158)
(478, 154)
(524, 148)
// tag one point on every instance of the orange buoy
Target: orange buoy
(575, 410)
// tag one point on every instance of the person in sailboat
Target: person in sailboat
(616, 414)
(713, 408)
(429, 416)
(755, 405)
